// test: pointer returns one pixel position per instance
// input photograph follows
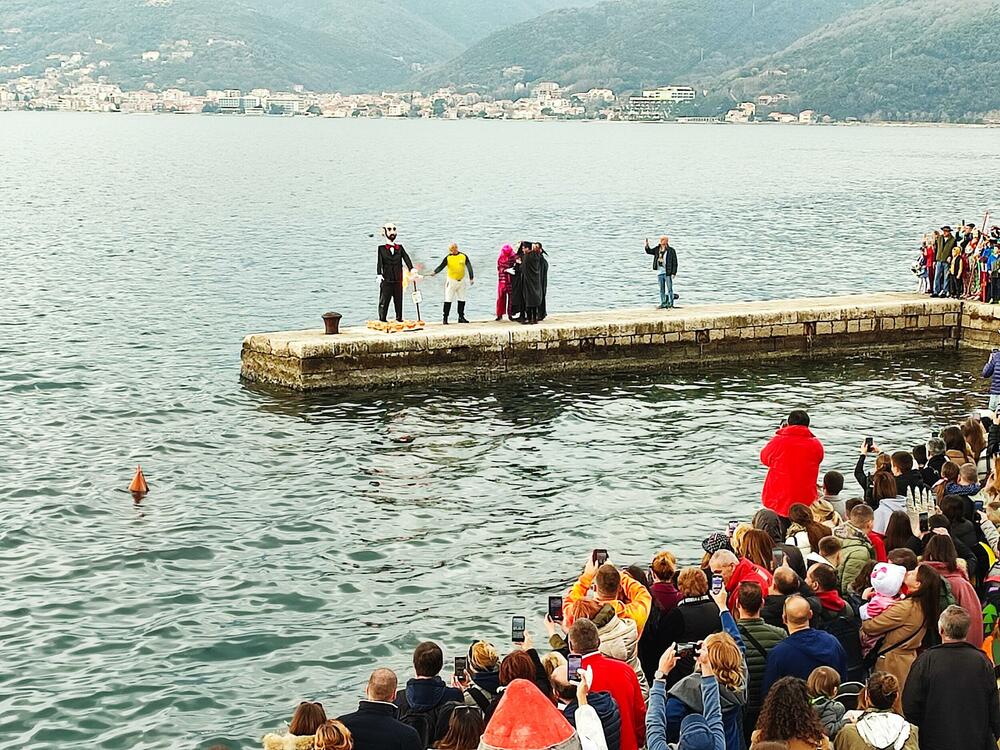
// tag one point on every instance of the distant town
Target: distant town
(54, 91)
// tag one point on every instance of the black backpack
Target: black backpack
(430, 725)
(845, 626)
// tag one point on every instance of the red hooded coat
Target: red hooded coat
(792, 457)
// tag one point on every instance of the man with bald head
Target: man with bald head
(804, 649)
(665, 265)
(374, 725)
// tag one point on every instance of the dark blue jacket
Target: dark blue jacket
(993, 372)
(374, 727)
(800, 653)
(607, 711)
(426, 705)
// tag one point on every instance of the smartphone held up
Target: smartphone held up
(517, 629)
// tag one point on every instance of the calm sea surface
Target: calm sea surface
(289, 544)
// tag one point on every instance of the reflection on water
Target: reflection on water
(287, 547)
(290, 542)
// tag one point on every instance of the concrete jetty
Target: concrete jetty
(616, 340)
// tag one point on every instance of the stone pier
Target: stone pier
(616, 340)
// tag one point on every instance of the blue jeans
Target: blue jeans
(666, 290)
(940, 277)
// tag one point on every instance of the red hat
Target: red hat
(526, 720)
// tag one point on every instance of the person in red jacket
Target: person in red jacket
(615, 677)
(792, 458)
(735, 571)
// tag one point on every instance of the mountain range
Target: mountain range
(879, 59)
(324, 45)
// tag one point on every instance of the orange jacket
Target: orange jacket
(636, 605)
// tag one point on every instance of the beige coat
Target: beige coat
(903, 621)
(288, 742)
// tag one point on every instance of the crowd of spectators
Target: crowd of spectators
(963, 263)
(830, 619)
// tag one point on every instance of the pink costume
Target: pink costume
(504, 261)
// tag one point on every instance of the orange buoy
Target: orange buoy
(138, 484)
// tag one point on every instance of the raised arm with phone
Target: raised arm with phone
(629, 598)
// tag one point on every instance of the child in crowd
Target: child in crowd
(822, 685)
(920, 268)
(886, 582)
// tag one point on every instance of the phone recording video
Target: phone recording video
(717, 583)
(517, 630)
(555, 608)
(686, 649)
(461, 664)
(600, 557)
(573, 668)
(777, 558)
(869, 442)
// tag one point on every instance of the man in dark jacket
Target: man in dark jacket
(951, 692)
(803, 650)
(426, 702)
(390, 274)
(759, 638)
(786, 583)
(665, 265)
(374, 725)
(943, 248)
(837, 617)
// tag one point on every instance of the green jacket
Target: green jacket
(856, 550)
(943, 248)
(767, 636)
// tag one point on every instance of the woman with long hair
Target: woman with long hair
(883, 487)
(905, 624)
(725, 658)
(333, 736)
(956, 448)
(695, 617)
(788, 716)
(949, 475)
(465, 728)
(804, 531)
(975, 437)
(308, 717)
(757, 548)
(940, 554)
(899, 534)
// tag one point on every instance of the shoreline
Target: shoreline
(547, 120)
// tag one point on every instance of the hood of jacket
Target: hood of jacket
(604, 615)
(942, 569)
(846, 533)
(883, 730)
(688, 692)
(618, 638)
(488, 680)
(425, 694)
(816, 643)
(767, 520)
